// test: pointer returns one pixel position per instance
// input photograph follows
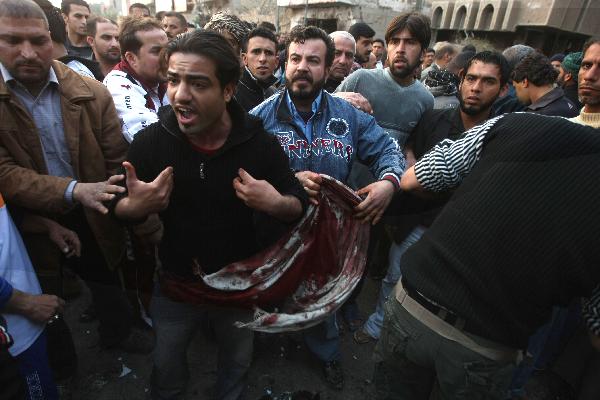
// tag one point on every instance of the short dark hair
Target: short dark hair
(177, 15)
(139, 5)
(65, 6)
(416, 23)
(56, 23)
(537, 69)
(128, 39)
(21, 9)
(470, 48)
(430, 50)
(446, 49)
(380, 41)
(267, 25)
(259, 32)
(495, 58)
(361, 29)
(588, 43)
(301, 33)
(208, 44)
(92, 24)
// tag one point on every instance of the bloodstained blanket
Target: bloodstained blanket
(308, 274)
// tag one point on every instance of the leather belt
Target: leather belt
(433, 320)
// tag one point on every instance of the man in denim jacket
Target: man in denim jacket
(325, 134)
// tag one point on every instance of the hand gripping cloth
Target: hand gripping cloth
(308, 274)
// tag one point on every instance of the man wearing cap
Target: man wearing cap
(567, 78)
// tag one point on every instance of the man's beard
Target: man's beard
(470, 110)
(589, 100)
(406, 71)
(304, 94)
(108, 59)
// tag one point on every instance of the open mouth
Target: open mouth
(186, 116)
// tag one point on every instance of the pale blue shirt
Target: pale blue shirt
(46, 112)
(307, 126)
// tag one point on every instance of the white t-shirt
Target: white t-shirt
(16, 268)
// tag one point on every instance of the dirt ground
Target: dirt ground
(282, 363)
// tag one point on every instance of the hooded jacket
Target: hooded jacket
(206, 226)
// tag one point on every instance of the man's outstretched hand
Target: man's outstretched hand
(144, 198)
(91, 195)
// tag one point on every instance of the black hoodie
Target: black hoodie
(206, 224)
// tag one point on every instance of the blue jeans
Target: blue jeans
(375, 321)
(545, 345)
(175, 325)
(323, 340)
(36, 373)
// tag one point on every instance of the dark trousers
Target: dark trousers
(412, 360)
(114, 310)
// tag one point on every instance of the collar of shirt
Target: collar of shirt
(9, 78)
(306, 126)
(553, 95)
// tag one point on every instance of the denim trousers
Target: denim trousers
(323, 340)
(412, 362)
(175, 325)
(375, 321)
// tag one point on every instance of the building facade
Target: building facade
(551, 26)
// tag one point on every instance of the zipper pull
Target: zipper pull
(202, 176)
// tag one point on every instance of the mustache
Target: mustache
(403, 59)
(27, 63)
(302, 76)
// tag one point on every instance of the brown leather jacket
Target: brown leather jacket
(97, 148)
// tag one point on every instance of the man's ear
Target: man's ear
(228, 92)
(245, 59)
(568, 76)
(66, 19)
(130, 58)
(90, 41)
(503, 90)
(525, 83)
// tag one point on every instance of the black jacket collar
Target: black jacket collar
(243, 125)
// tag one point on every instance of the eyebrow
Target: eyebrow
(482, 76)
(189, 76)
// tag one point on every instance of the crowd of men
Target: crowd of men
(147, 151)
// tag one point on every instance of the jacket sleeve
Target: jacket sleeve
(29, 189)
(446, 165)
(378, 150)
(111, 141)
(130, 103)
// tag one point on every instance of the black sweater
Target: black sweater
(205, 222)
(520, 234)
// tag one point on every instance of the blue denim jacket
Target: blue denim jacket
(341, 134)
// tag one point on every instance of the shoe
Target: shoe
(137, 342)
(362, 337)
(334, 374)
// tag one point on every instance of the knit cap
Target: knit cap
(222, 21)
(572, 62)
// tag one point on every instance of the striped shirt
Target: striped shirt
(591, 312)
(446, 165)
